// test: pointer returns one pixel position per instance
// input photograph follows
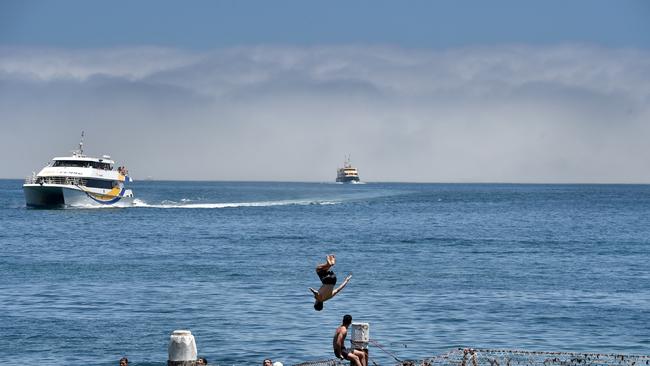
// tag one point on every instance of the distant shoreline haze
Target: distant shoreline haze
(137, 181)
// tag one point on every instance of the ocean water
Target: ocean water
(435, 266)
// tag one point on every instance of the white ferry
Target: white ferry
(79, 181)
(347, 174)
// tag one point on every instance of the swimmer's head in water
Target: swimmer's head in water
(318, 305)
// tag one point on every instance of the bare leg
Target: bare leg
(352, 357)
(362, 357)
(331, 259)
(329, 262)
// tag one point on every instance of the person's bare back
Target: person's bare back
(338, 343)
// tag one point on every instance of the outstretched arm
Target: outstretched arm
(313, 291)
(345, 283)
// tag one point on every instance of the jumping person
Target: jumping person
(358, 357)
(328, 280)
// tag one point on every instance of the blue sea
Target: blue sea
(435, 267)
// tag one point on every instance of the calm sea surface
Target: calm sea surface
(435, 266)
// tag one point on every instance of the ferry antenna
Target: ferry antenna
(81, 143)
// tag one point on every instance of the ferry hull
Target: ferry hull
(53, 196)
(348, 180)
(43, 196)
(78, 198)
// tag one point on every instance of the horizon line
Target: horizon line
(135, 180)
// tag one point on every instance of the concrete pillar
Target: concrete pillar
(360, 337)
(182, 349)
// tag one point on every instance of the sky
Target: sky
(415, 91)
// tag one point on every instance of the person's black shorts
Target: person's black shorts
(344, 353)
(327, 277)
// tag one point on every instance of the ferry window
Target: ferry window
(82, 164)
(70, 163)
(100, 183)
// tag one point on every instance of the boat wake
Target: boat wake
(184, 204)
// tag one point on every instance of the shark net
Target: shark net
(500, 357)
(324, 363)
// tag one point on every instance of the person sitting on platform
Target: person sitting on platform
(328, 280)
(355, 356)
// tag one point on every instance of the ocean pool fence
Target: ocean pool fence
(504, 357)
(324, 363)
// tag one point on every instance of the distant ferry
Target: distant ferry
(347, 174)
(79, 181)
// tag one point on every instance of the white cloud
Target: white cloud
(512, 113)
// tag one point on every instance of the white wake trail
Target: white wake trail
(171, 204)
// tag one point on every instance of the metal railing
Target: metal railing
(56, 180)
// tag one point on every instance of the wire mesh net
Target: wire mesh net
(498, 357)
(323, 363)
